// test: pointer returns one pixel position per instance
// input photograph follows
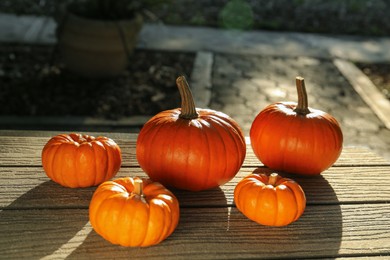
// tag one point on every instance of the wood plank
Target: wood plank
(19, 150)
(204, 233)
(48, 134)
(364, 257)
(26, 187)
(350, 156)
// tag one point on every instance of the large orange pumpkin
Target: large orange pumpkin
(76, 160)
(191, 148)
(270, 199)
(133, 212)
(295, 138)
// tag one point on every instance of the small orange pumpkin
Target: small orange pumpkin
(76, 160)
(133, 212)
(294, 138)
(270, 199)
(191, 148)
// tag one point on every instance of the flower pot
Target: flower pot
(97, 48)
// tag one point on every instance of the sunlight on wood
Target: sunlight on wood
(66, 249)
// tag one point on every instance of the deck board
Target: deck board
(323, 231)
(347, 214)
(27, 187)
(20, 150)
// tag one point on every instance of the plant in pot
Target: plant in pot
(97, 37)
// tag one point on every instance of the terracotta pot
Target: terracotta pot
(97, 48)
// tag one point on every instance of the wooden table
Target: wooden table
(347, 214)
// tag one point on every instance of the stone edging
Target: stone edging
(266, 43)
(41, 29)
(131, 124)
(201, 78)
(366, 89)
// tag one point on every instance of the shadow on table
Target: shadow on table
(29, 224)
(317, 233)
(207, 198)
(208, 227)
(197, 211)
(49, 194)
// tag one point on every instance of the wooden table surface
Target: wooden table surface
(347, 214)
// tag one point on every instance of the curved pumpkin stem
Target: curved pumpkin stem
(138, 187)
(188, 109)
(303, 106)
(272, 179)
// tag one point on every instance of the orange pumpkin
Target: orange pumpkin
(292, 137)
(270, 199)
(133, 212)
(191, 148)
(75, 160)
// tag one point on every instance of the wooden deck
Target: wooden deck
(347, 214)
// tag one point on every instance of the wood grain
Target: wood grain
(223, 233)
(27, 187)
(347, 214)
(19, 150)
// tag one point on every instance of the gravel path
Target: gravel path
(243, 85)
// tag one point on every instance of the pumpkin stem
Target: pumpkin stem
(138, 187)
(188, 109)
(303, 106)
(272, 179)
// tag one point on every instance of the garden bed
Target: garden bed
(35, 83)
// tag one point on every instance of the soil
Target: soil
(379, 74)
(33, 85)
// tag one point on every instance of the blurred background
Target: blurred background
(363, 17)
(35, 82)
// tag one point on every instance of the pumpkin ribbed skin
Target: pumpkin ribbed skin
(286, 141)
(124, 216)
(191, 148)
(75, 160)
(191, 154)
(295, 138)
(270, 199)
